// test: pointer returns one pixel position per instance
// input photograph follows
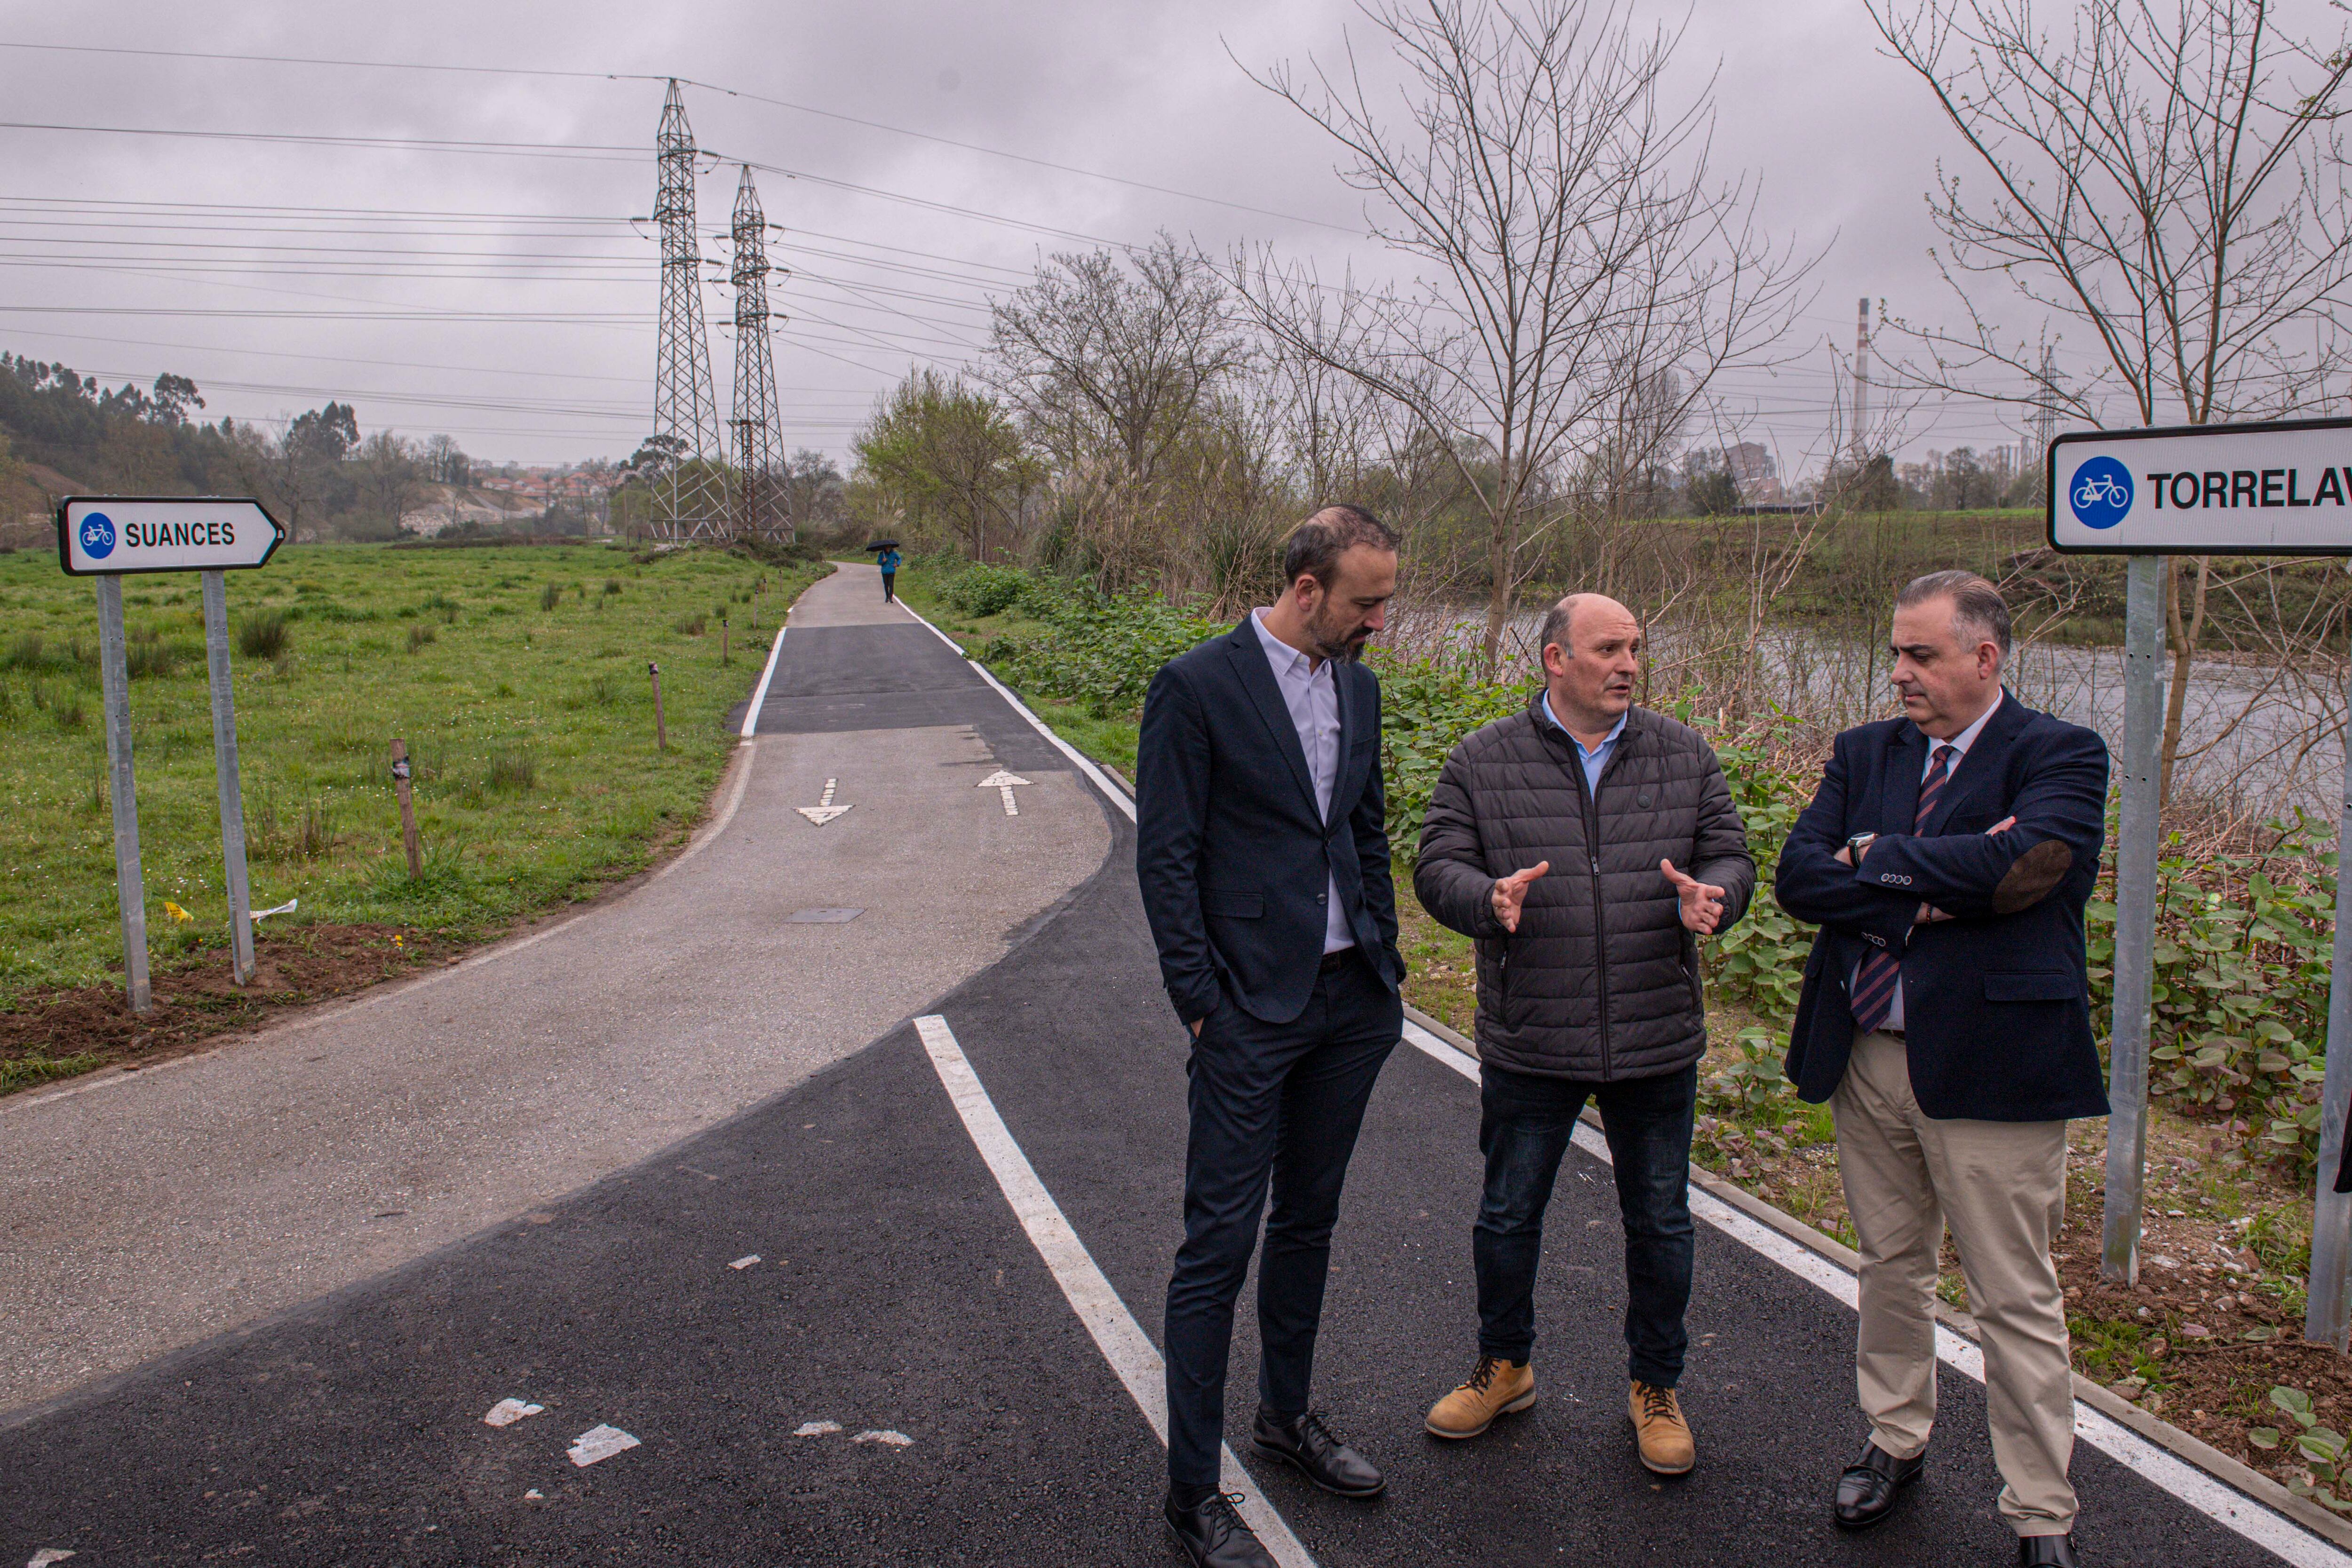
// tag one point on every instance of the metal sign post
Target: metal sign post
(232, 801)
(2134, 962)
(2283, 488)
(112, 537)
(129, 887)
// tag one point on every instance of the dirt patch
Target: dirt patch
(57, 1033)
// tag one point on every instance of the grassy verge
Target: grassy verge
(516, 677)
(2210, 1331)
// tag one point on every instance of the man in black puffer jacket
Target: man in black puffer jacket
(1587, 845)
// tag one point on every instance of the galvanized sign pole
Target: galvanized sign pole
(231, 802)
(129, 887)
(2282, 488)
(2134, 962)
(112, 537)
(2328, 1316)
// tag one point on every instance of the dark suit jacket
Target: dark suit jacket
(1235, 859)
(1996, 1007)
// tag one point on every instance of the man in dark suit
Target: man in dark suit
(1263, 853)
(1946, 1018)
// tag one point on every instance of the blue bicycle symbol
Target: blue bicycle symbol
(2102, 495)
(97, 536)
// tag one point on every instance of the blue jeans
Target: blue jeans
(1524, 1129)
(1275, 1111)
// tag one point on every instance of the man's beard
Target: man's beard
(1339, 650)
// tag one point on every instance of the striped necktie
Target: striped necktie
(1874, 983)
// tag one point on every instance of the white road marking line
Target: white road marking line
(599, 1443)
(759, 692)
(816, 1428)
(2273, 1532)
(1116, 1332)
(49, 1554)
(507, 1412)
(887, 1439)
(824, 811)
(746, 1261)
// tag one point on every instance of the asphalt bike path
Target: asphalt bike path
(143, 1212)
(894, 1373)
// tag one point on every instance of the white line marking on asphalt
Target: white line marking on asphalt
(1116, 1332)
(745, 1262)
(759, 692)
(507, 1412)
(599, 1443)
(49, 1554)
(816, 1428)
(887, 1439)
(2280, 1536)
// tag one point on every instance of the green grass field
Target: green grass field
(516, 677)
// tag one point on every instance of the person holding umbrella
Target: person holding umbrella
(888, 561)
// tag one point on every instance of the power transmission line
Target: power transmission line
(759, 440)
(690, 500)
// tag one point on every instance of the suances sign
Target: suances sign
(112, 535)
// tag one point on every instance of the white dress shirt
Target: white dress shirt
(1960, 744)
(1311, 692)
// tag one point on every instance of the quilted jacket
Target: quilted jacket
(1601, 981)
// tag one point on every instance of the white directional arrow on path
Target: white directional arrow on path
(824, 811)
(1001, 783)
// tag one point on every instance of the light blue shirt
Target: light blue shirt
(1595, 760)
(1310, 690)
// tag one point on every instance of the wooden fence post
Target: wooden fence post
(400, 787)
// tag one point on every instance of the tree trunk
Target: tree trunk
(1499, 564)
(2184, 652)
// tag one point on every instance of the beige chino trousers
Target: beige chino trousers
(2002, 1187)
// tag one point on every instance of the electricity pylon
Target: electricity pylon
(690, 494)
(763, 507)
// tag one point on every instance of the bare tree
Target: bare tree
(2169, 175)
(1109, 360)
(1577, 242)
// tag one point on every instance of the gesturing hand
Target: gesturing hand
(1511, 893)
(1702, 903)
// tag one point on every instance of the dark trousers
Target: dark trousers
(1524, 1129)
(1273, 1105)
(888, 591)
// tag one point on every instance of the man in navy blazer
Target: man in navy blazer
(1261, 850)
(1946, 1018)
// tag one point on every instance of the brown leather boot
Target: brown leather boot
(1496, 1388)
(1667, 1449)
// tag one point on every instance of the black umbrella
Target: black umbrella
(883, 545)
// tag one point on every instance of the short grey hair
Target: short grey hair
(1977, 605)
(1558, 625)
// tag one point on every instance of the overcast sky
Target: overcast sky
(507, 299)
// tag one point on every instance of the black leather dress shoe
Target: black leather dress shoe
(1213, 1536)
(1866, 1492)
(2045, 1552)
(1318, 1454)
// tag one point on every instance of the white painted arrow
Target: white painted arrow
(824, 811)
(1001, 783)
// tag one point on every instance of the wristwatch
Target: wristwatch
(1859, 845)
